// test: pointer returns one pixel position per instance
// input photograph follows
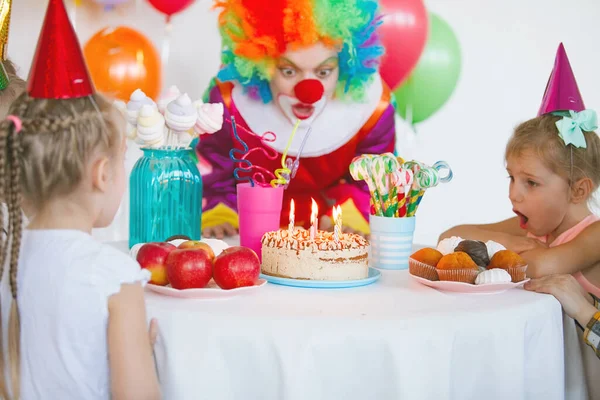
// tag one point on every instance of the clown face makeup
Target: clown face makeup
(317, 63)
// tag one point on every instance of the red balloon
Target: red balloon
(170, 7)
(403, 33)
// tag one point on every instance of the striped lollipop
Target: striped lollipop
(360, 170)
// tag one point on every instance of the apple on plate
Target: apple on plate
(189, 268)
(153, 257)
(235, 267)
(196, 244)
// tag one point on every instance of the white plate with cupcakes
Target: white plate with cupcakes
(468, 266)
(199, 269)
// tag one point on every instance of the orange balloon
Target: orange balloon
(122, 60)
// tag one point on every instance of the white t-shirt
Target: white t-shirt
(65, 278)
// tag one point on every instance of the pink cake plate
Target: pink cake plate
(461, 287)
(210, 292)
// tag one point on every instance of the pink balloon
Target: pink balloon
(170, 7)
(403, 33)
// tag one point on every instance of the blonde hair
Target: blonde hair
(16, 86)
(540, 135)
(46, 159)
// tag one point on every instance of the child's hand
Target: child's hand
(575, 301)
(219, 231)
(521, 244)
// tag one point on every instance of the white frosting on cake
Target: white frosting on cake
(493, 248)
(323, 259)
(447, 246)
(496, 275)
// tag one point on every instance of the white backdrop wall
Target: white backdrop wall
(508, 49)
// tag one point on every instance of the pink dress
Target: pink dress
(569, 235)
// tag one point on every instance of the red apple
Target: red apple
(196, 244)
(235, 267)
(189, 268)
(153, 256)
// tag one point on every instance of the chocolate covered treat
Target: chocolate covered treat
(476, 250)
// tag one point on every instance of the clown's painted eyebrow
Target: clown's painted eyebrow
(330, 59)
(288, 61)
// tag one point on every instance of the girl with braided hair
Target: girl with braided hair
(62, 150)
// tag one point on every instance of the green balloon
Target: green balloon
(434, 78)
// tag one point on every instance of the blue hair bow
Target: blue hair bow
(571, 127)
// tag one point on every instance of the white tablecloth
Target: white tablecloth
(394, 339)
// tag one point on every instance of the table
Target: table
(395, 339)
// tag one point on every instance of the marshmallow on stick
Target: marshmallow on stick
(180, 116)
(210, 117)
(170, 95)
(151, 126)
(132, 110)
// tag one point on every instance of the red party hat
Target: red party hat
(562, 93)
(58, 70)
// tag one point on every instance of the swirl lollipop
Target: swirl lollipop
(360, 170)
(400, 182)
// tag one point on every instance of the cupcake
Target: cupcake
(511, 262)
(422, 263)
(457, 267)
(476, 250)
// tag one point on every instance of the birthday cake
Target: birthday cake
(297, 256)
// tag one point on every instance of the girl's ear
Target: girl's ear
(581, 190)
(101, 174)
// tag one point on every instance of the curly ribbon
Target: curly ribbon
(240, 161)
(282, 172)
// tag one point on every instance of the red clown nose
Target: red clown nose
(309, 91)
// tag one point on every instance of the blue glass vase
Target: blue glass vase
(166, 196)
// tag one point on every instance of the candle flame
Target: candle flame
(337, 213)
(314, 213)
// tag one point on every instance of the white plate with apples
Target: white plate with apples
(199, 269)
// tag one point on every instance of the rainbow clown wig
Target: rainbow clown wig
(257, 32)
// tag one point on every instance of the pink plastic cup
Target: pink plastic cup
(259, 211)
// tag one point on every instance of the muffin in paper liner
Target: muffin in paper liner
(517, 274)
(466, 275)
(422, 270)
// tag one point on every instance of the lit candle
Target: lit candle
(337, 223)
(292, 222)
(314, 220)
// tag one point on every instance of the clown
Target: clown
(311, 62)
